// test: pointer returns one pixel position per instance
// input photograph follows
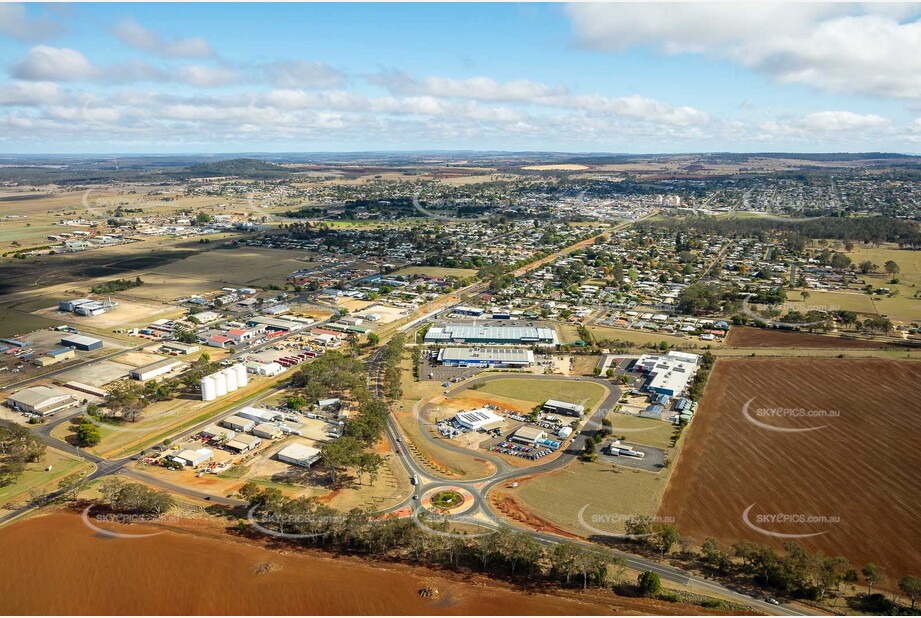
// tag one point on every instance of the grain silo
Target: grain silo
(220, 383)
(242, 378)
(230, 377)
(208, 391)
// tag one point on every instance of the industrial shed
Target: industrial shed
(486, 357)
(269, 431)
(152, 370)
(563, 407)
(481, 418)
(238, 423)
(299, 455)
(243, 442)
(81, 342)
(529, 435)
(41, 400)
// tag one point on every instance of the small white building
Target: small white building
(214, 432)
(188, 457)
(269, 431)
(152, 370)
(243, 443)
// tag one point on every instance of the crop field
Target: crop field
(539, 391)
(246, 265)
(748, 337)
(847, 485)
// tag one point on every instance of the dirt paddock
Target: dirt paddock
(852, 474)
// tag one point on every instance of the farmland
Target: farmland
(854, 476)
(747, 337)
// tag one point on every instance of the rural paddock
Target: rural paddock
(750, 337)
(848, 485)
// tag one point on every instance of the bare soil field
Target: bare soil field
(747, 337)
(848, 485)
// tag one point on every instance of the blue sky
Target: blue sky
(85, 78)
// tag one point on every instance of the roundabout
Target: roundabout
(448, 500)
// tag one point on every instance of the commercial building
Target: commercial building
(152, 370)
(504, 335)
(81, 342)
(175, 347)
(554, 406)
(470, 311)
(486, 357)
(479, 419)
(260, 415)
(213, 432)
(238, 423)
(41, 400)
(264, 369)
(529, 435)
(70, 305)
(669, 374)
(299, 455)
(191, 458)
(243, 443)
(270, 323)
(269, 431)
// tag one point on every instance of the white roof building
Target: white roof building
(481, 418)
(299, 454)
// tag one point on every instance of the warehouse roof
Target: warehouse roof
(564, 405)
(79, 340)
(164, 362)
(462, 332)
(503, 355)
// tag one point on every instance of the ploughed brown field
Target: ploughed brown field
(750, 337)
(54, 564)
(861, 466)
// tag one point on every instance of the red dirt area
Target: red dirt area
(848, 486)
(749, 337)
(512, 509)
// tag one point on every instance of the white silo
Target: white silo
(220, 383)
(242, 378)
(230, 376)
(208, 392)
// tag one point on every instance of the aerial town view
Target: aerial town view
(460, 309)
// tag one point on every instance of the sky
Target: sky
(626, 78)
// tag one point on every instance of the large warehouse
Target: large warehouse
(299, 455)
(474, 334)
(152, 370)
(41, 400)
(669, 374)
(81, 342)
(486, 357)
(481, 418)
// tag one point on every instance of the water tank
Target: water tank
(230, 376)
(220, 383)
(242, 378)
(208, 392)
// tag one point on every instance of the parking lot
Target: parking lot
(653, 460)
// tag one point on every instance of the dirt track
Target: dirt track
(861, 467)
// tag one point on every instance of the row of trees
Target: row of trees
(134, 498)
(357, 530)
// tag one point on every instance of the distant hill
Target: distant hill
(251, 168)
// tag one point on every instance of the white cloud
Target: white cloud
(202, 76)
(54, 64)
(301, 74)
(869, 48)
(477, 88)
(20, 93)
(132, 33)
(844, 121)
(15, 22)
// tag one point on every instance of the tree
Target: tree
(71, 485)
(609, 373)
(911, 588)
(872, 574)
(88, 434)
(666, 538)
(867, 267)
(891, 267)
(296, 402)
(202, 217)
(373, 339)
(650, 584)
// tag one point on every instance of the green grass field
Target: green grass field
(832, 301)
(539, 391)
(609, 496)
(36, 478)
(14, 322)
(646, 431)
(436, 271)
